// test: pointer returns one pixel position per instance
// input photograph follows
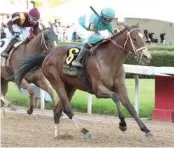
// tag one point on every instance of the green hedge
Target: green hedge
(159, 58)
(160, 47)
(162, 58)
(151, 47)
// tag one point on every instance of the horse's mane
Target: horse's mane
(115, 35)
(125, 29)
(43, 30)
(27, 40)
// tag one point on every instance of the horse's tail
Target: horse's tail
(27, 64)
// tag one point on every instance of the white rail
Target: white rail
(133, 69)
(139, 70)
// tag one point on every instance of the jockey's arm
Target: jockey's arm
(95, 38)
(15, 20)
(101, 35)
(9, 25)
(107, 33)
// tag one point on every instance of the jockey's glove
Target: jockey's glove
(12, 32)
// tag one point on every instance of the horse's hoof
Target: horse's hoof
(13, 109)
(30, 111)
(56, 137)
(88, 135)
(123, 128)
(149, 134)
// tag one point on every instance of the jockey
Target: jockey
(93, 29)
(18, 24)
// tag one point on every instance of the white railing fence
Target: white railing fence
(133, 69)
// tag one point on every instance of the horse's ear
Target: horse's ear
(46, 34)
(137, 25)
(126, 26)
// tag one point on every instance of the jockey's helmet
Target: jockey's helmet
(108, 14)
(34, 15)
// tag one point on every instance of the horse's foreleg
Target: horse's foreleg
(31, 92)
(63, 104)
(57, 114)
(122, 91)
(4, 85)
(70, 92)
(4, 101)
(45, 85)
(103, 92)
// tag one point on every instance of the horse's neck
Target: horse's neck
(111, 56)
(34, 46)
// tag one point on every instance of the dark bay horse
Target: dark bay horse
(42, 42)
(104, 70)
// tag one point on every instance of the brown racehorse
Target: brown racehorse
(104, 70)
(42, 42)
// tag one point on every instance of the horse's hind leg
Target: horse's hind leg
(31, 92)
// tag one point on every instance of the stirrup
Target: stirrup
(77, 64)
(4, 54)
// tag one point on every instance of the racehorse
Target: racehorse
(103, 72)
(42, 42)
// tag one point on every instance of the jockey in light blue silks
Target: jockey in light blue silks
(93, 29)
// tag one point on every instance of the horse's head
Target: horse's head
(47, 39)
(134, 43)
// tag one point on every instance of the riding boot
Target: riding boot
(8, 48)
(77, 61)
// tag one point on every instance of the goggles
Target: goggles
(32, 19)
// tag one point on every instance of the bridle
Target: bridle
(134, 49)
(43, 42)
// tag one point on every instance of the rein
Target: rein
(42, 42)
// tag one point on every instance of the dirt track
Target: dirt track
(20, 129)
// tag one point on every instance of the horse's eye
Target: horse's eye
(46, 37)
(134, 39)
